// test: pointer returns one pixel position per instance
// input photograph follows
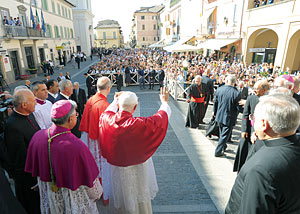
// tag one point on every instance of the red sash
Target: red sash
(197, 99)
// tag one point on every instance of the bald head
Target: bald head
(198, 79)
(24, 101)
(103, 83)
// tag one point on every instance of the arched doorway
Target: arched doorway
(232, 53)
(262, 46)
(292, 60)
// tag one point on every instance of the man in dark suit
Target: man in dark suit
(66, 90)
(210, 86)
(269, 181)
(243, 90)
(52, 87)
(89, 84)
(161, 77)
(68, 77)
(152, 75)
(79, 97)
(226, 109)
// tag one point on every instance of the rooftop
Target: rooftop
(153, 9)
(108, 24)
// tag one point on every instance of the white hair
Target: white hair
(282, 91)
(230, 79)
(76, 83)
(282, 112)
(127, 101)
(64, 84)
(281, 82)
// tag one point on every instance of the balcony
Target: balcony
(24, 32)
(276, 12)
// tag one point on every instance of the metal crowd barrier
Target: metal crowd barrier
(134, 77)
(178, 90)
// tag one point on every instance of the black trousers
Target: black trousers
(29, 198)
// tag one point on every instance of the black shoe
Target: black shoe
(201, 122)
(224, 148)
(219, 154)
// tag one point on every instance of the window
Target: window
(115, 35)
(65, 32)
(61, 32)
(143, 27)
(49, 31)
(45, 5)
(104, 35)
(87, 4)
(158, 38)
(53, 7)
(153, 17)
(142, 17)
(154, 27)
(144, 39)
(63, 10)
(71, 31)
(56, 31)
(66, 12)
(58, 9)
(154, 38)
(29, 57)
(70, 14)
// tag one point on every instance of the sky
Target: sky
(119, 10)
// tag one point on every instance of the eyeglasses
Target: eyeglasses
(77, 114)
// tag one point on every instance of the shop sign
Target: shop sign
(256, 50)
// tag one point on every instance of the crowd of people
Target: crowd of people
(54, 127)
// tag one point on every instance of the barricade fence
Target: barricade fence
(178, 90)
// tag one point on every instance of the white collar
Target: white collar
(53, 95)
(64, 95)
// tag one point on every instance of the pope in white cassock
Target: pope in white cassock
(128, 144)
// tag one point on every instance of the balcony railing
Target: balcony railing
(21, 31)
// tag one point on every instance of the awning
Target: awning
(208, 12)
(158, 44)
(178, 43)
(216, 44)
(185, 48)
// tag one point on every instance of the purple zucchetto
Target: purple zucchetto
(288, 78)
(61, 108)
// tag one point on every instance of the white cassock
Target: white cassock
(42, 113)
(133, 187)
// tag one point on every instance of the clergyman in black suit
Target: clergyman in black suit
(226, 109)
(79, 97)
(66, 90)
(210, 86)
(52, 87)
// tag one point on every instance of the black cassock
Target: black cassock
(119, 81)
(196, 109)
(8, 203)
(245, 148)
(269, 181)
(18, 132)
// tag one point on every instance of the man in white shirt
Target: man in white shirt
(43, 106)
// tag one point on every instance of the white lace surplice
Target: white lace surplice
(80, 201)
(132, 186)
(101, 162)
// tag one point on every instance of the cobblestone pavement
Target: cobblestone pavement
(181, 188)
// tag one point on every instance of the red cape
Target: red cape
(94, 107)
(127, 141)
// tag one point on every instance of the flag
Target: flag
(38, 27)
(32, 19)
(43, 21)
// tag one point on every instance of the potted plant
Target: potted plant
(32, 70)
